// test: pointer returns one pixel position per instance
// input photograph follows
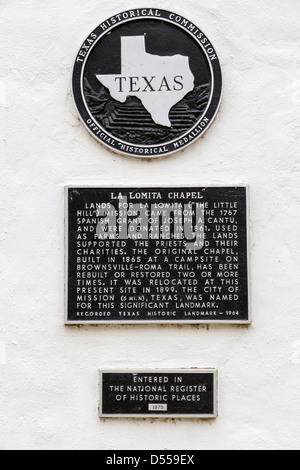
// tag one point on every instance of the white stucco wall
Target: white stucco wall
(49, 372)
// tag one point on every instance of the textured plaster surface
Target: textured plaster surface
(48, 372)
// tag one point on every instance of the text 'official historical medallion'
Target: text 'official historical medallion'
(147, 83)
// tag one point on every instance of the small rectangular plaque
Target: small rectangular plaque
(185, 393)
(157, 255)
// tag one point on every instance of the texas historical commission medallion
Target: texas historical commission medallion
(147, 83)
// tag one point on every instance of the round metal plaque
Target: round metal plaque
(147, 83)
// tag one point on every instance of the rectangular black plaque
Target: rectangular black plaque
(158, 394)
(157, 255)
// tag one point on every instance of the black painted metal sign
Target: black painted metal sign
(147, 82)
(157, 255)
(158, 394)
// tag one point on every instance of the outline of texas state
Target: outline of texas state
(159, 82)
